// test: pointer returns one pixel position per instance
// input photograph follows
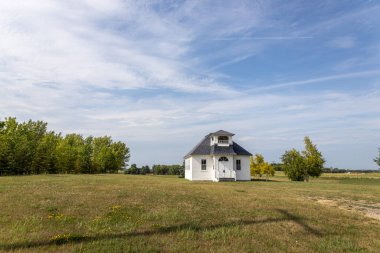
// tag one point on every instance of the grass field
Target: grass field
(126, 213)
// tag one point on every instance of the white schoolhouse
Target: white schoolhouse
(218, 158)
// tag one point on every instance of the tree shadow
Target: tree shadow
(162, 230)
(264, 180)
(300, 221)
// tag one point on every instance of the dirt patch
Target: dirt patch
(368, 209)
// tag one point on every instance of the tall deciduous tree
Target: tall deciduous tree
(28, 148)
(300, 166)
(314, 160)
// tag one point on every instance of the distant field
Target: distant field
(127, 213)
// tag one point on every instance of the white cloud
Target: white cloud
(85, 66)
(123, 45)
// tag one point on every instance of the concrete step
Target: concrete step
(226, 179)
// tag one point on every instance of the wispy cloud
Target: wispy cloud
(266, 38)
(158, 74)
(83, 47)
(375, 72)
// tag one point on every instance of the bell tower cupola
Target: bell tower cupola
(221, 138)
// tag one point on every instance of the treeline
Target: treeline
(134, 170)
(279, 167)
(157, 169)
(337, 170)
(175, 169)
(29, 148)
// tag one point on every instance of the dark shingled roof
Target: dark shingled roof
(204, 148)
(239, 150)
(222, 150)
(222, 132)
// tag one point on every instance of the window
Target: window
(204, 164)
(238, 165)
(223, 159)
(223, 139)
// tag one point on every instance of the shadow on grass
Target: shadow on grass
(162, 230)
(264, 180)
(300, 221)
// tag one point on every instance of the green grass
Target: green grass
(127, 213)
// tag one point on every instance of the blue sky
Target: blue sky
(160, 75)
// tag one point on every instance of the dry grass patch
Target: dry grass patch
(126, 213)
(361, 207)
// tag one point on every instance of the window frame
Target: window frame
(238, 164)
(203, 165)
(223, 159)
(223, 139)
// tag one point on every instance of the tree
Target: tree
(133, 170)
(255, 164)
(277, 166)
(267, 170)
(45, 159)
(121, 156)
(145, 170)
(28, 148)
(294, 165)
(70, 154)
(259, 167)
(314, 160)
(300, 166)
(175, 169)
(182, 170)
(377, 159)
(100, 146)
(86, 155)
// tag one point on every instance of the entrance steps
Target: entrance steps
(227, 179)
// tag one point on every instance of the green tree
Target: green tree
(86, 155)
(3, 150)
(377, 159)
(314, 160)
(45, 159)
(294, 165)
(102, 153)
(277, 166)
(120, 155)
(300, 166)
(28, 148)
(145, 170)
(17, 154)
(133, 170)
(69, 152)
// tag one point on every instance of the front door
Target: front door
(224, 171)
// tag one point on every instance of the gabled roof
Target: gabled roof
(222, 132)
(204, 148)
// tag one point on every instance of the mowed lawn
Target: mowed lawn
(127, 213)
